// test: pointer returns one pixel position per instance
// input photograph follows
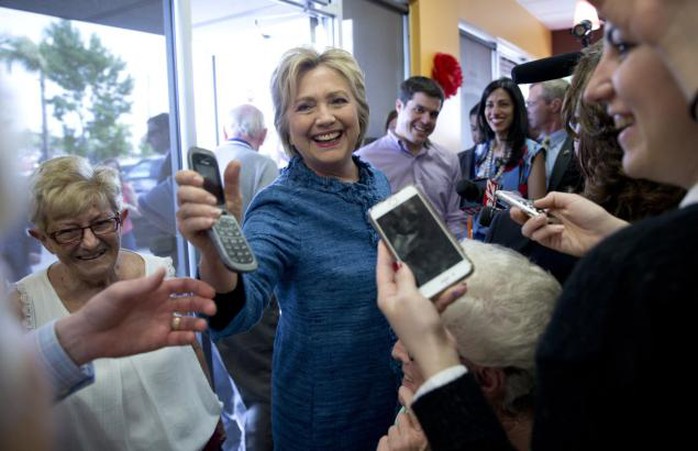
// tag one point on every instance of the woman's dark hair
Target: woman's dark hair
(600, 156)
(516, 137)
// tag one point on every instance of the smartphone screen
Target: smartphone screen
(419, 240)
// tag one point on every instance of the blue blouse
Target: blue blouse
(332, 384)
(514, 178)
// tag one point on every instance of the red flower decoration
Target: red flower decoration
(447, 73)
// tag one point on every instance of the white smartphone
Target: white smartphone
(514, 199)
(416, 236)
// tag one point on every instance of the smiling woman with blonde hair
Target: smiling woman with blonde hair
(332, 382)
(136, 401)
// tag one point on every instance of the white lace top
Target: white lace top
(159, 400)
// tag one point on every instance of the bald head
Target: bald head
(246, 122)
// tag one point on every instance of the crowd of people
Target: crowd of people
(624, 307)
(554, 342)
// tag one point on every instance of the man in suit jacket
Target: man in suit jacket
(544, 107)
(466, 159)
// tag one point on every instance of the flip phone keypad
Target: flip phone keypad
(233, 241)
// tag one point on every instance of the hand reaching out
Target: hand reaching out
(198, 212)
(135, 316)
(197, 207)
(580, 224)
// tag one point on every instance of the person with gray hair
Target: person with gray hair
(248, 356)
(544, 106)
(244, 132)
(496, 326)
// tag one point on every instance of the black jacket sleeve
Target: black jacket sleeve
(229, 305)
(458, 417)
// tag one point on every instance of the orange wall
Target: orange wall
(508, 20)
(434, 28)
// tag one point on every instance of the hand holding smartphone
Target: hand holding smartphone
(416, 235)
(226, 235)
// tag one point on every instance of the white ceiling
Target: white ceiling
(554, 14)
(146, 15)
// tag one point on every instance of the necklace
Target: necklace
(495, 166)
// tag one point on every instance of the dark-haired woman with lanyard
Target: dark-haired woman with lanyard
(507, 159)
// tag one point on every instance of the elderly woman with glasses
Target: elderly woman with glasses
(157, 400)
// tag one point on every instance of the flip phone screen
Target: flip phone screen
(209, 171)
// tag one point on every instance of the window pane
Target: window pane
(236, 46)
(88, 89)
(476, 61)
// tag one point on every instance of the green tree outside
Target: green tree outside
(95, 92)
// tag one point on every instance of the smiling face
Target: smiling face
(324, 124)
(499, 111)
(416, 119)
(92, 257)
(648, 110)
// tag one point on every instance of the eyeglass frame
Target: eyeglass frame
(117, 223)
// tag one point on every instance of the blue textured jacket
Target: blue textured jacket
(333, 386)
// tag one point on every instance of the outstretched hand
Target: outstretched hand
(135, 316)
(197, 207)
(198, 212)
(414, 318)
(579, 223)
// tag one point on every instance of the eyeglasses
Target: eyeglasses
(98, 228)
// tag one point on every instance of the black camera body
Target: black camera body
(582, 31)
